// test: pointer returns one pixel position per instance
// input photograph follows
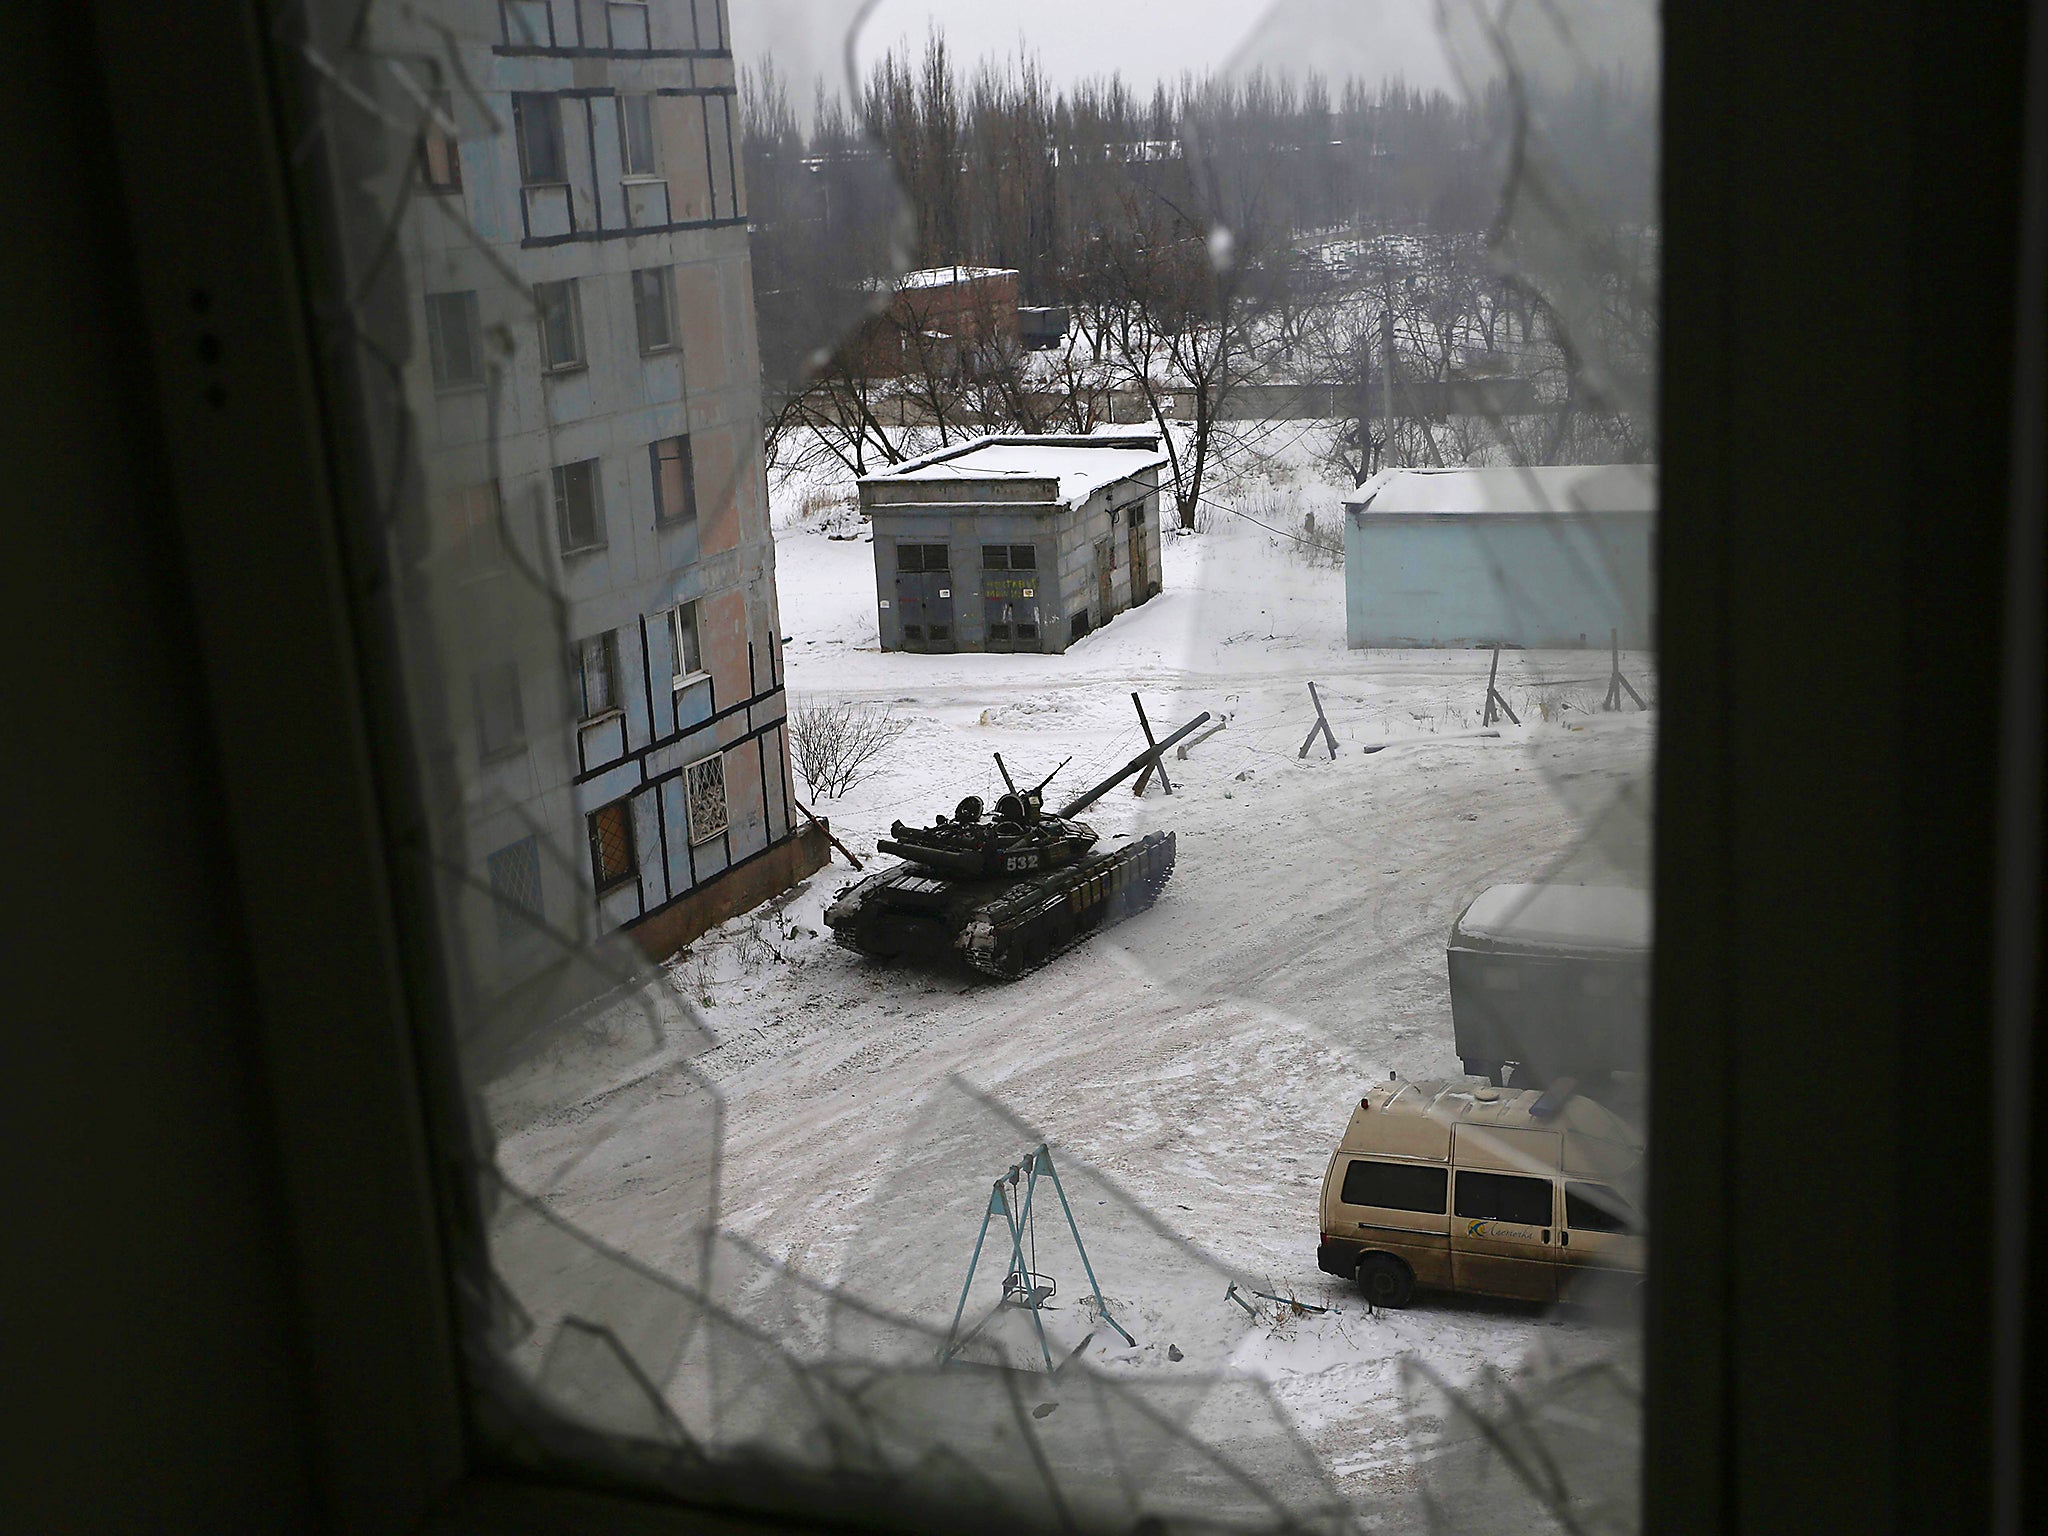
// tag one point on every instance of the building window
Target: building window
(704, 790)
(686, 650)
(636, 134)
(561, 325)
(579, 513)
(611, 845)
(537, 126)
(597, 673)
(469, 516)
(995, 557)
(455, 340)
(500, 714)
(653, 313)
(440, 155)
(922, 557)
(628, 25)
(515, 888)
(527, 23)
(1023, 557)
(675, 480)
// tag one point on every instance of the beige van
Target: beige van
(1495, 1192)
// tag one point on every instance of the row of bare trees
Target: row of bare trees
(1215, 235)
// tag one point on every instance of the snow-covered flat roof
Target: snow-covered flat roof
(1543, 488)
(939, 277)
(1610, 917)
(1081, 465)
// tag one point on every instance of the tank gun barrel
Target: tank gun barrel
(946, 859)
(1075, 806)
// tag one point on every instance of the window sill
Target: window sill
(584, 549)
(670, 524)
(602, 717)
(664, 350)
(555, 370)
(689, 680)
(710, 837)
(618, 884)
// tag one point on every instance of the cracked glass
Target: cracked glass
(1259, 1150)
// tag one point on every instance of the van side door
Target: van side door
(1504, 1215)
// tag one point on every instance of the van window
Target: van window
(1596, 1208)
(1394, 1186)
(1504, 1197)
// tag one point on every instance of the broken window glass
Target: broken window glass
(798, 1175)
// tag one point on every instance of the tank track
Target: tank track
(1021, 931)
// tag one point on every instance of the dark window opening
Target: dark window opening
(579, 516)
(455, 340)
(1504, 1197)
(910, 557)
(1023, 557)
(537, 126)
(597, 671)
(611, 845)
(652, 316)
(1395, 1186)
(440, 154)
(1596, 1208)
(995, 557)
(936, 558)
(1080, 624)
(561, 324)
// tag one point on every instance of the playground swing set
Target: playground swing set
(1023, 1285)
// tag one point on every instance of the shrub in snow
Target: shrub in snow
(834, 743)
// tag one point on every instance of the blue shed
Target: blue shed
(1551, 557)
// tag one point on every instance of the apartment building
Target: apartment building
(587, 393)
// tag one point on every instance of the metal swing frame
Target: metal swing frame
(1020, 1285)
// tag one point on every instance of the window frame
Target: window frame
(604, 647)
(533, 112)
(601, 884)
(691, 774)
(664, 517)
(664, 287)
(1442, 1171)
(438, 134)
(559, 483)
(515, 919)
(470, 306)
(630, 168)
(674, 621)
(569, 292)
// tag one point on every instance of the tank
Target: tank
(1002, 890)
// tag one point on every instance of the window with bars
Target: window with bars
(704, 792)
(675, 481)
(653, 309)
(561, 325)
(686, 652)
(455, 340)
(500, 712)
(515, 888)
(440, 154)
(611, 846)
(597, 674)
(537, 126)
(636, 134)
(579, 507)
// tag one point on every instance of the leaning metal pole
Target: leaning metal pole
(1081, 803)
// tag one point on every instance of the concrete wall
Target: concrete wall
(1535, 580)
(1065, 539)
(531, 601)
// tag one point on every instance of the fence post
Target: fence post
(1496, 702)
(1322, 725)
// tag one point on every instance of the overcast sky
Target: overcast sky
(1144, 40)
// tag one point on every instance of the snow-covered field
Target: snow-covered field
(1190, 1068)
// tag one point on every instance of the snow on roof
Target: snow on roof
(1081, 464)
(1609, 917)
(940, 277)
(1542, 488)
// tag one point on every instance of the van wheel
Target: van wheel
(1386, 1281)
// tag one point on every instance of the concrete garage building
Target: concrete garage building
(1552, 557)
(1014, 543)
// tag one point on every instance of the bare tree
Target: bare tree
(834, 743)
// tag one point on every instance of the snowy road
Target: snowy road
(1200, 1058)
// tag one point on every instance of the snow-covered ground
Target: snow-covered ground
(1190, 1068)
